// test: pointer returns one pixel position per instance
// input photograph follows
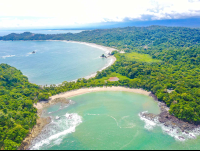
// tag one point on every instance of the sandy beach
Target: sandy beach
(107, 50)
(112, 61)
(63, 98)
(68, 94)
(104, 48)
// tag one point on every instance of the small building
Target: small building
(113, 79)
(122, 51)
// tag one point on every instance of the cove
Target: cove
(106, 120)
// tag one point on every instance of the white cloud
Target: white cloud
(44, 13)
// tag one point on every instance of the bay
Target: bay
(54, 61)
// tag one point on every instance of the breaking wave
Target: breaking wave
(149, 125)
(54, 132)
(174, 132)
(7, 56)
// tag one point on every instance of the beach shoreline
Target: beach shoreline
(64, 98)
(106, 49)
(72, 93)
(163, 119)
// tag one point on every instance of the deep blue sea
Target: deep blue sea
(54, 61)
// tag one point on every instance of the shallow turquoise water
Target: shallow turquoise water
(54, 61)
(106, 120)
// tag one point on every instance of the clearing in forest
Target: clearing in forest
(134, 56)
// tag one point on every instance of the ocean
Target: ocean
(53, 61)
(6, 32)
(107, 120)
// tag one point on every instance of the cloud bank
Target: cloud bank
(68, 13)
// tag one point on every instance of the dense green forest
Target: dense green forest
(125, 38)
(157, 59)
(17, 114)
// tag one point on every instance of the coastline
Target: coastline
(40, 124)
(171, 125)
(106, 49)
(68, 94)
(63, 98)
(35, 131)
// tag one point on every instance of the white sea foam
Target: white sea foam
(56, 130)
(149, 125)
(7, 56)
(174, 132)
(177, 133)
(30, 53)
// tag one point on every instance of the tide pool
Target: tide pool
(106, 120)
(54, 61)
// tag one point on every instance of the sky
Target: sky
(77, 13)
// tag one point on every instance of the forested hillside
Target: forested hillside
(17, 114)
(125, 38)
(164, 60)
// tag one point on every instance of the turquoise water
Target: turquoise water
(6, 32)
(106, 120)
(54, 61)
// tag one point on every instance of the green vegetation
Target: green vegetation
(114, 74)
(17, 114)
(134, 56)
(156, 59)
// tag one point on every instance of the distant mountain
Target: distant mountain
(188, 22)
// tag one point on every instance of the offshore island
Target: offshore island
(165, 67)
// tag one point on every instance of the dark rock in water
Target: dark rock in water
(103, 56)
(181, 137)
(169, 120)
